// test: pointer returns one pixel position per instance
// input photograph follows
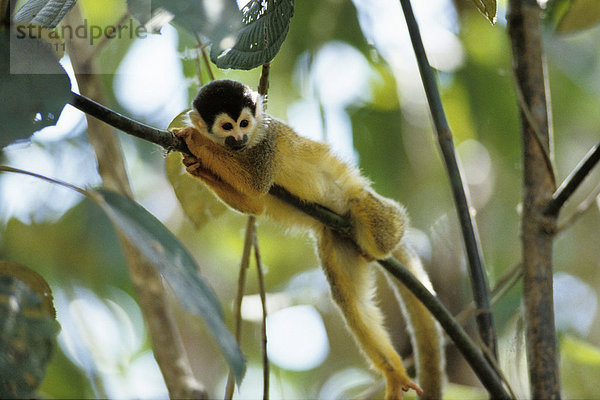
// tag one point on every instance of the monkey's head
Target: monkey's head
(229, 113)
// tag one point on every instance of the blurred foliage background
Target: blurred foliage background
(346, 74)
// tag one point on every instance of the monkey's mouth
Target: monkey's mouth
(235, 144)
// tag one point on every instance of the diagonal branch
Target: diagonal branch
(474, 356)
(479, 284)
(572, 182)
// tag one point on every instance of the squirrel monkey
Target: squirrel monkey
(240, 153)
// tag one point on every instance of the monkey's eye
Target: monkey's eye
(227, 126)
(244, 123)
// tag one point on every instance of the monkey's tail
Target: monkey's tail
(425, 332)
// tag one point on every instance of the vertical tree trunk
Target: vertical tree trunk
(167, 345)
(538, 185)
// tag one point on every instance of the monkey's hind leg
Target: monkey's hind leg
(378, 223)
(352, 286)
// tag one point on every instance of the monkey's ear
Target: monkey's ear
(197, 120)
(260, 101)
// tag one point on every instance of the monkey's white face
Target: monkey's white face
(234, 134)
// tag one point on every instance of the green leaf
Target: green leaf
(46, 13)
(168, 256)
(266, 25)
(197, 201)
(214, 19)
(487, 8)
(574, 15)
(28, 327)
(35, 88)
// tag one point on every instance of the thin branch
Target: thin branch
(263, 327)
(581, 209)
(479, 284)
(160, 137)
(263, 88)
(538, 135)
(572, 182)
(504, 284)
(201, 48)
(4, 168)
(237, 307)
(482, 368)
(341, 225)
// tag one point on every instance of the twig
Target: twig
(263, 88)
(538, 135)
(479, 284)
(581, 209)
(160, 137)
(201, 48)
(237, 307)
(263, 328)
(325, 216)
(572, 182)
(79, 190)
(503, 285)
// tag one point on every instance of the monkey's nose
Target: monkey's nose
(235, 144)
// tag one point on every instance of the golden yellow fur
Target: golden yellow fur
(309, 170)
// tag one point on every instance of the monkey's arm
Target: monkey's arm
(227, 193)
(223, 173)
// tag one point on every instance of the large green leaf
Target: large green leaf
(166, 253)
(47, 13)
(266, 25)
(34, 87)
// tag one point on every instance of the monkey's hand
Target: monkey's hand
(194, 166)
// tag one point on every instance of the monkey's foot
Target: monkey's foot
(394, 389)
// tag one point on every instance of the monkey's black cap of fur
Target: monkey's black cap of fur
(221, 96)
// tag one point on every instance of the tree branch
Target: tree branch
(538, 229)
(479, 284)
(572, 182)
(237, 307)
(475, 358)
(160, 137)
